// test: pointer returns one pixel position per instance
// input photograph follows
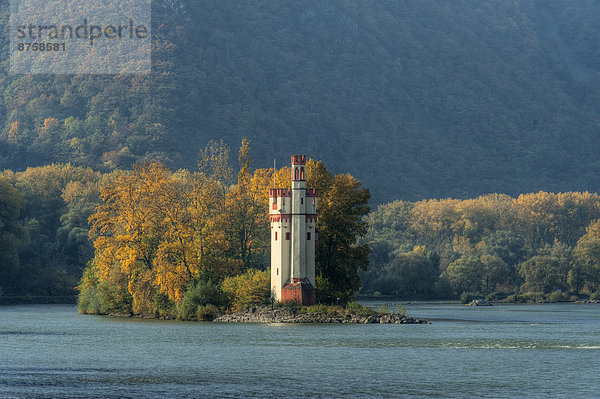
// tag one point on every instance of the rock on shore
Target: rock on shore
(479, 302)
(284, 315)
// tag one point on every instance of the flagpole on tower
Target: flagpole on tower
(274, 169)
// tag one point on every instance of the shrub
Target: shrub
(595, 296)
(87, 300)
(558, 296)
(334, 310)
(514, 298)
(383, 309)
(354, 308)
(467, 297)
(200, 293)
(493, 297)
(114, 299)
(399, 309)
(319, 308)
(207, 312)
(245, 290)
(533, 297)
(293, 306)
(323, 289)
(163, 307)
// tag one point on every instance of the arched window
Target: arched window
(302, 174)
(297, 175)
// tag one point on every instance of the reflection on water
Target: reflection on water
(502, 351)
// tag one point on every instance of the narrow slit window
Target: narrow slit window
(275, 236)
(287, 236)
(274, 205)
(314, 202)
(302, 200)
(308, 236)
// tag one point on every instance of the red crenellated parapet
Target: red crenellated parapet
(311, 192)
(280, 218)
(280, 192)
(298, 159)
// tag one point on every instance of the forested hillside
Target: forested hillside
(416, 98)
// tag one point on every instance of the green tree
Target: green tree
(507, 245)
(586, 265)
(12, 235)
(409, 275)
(466, 274)
(543, 273)
(341, 223)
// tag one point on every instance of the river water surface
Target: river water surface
(533, 351)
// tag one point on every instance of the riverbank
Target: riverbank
(286, 315)
(38, 300)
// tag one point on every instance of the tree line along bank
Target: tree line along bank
(164, 243)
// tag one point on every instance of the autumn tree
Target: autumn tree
(246, 220)
(585, 272)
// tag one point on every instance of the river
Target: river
(533, 351)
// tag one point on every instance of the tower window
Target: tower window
(302, 174)
(275, 236)
(314, 202)
(278, 271)
(274, 205)
(287, 236)
(308, 236)
(302, 200)
(297, 174)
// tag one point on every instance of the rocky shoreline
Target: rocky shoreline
(284, 315)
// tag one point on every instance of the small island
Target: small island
(297, 263)
(318, 315)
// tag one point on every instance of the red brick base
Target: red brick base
(299, 291)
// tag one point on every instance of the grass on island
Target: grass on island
(351, 309)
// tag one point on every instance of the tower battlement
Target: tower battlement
(311, 192)
(298, 159)
(280, 192)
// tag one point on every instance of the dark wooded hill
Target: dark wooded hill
(416, 98)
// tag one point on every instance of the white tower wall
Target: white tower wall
(280, 206)
(298, 230)
(311, 235)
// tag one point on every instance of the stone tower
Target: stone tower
(293, 215)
